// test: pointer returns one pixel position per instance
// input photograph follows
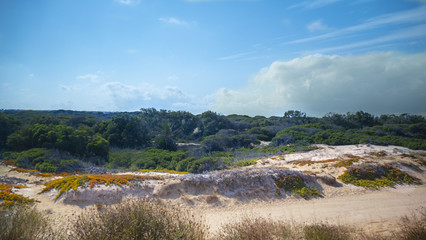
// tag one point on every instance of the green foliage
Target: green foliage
(31, 157)
(377, 176)
(8, 125)
(146, 159)
(46, 167)
(125, 131)
(296, 185)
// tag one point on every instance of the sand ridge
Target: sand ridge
(221, 197)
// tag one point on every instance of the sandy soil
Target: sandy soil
(224, 196)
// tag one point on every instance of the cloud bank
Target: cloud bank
(378, 83)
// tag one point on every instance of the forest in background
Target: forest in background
(61, 140)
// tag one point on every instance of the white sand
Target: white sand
(225, 196)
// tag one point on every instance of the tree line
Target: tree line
(147, 139)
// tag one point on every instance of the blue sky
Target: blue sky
(253, 57)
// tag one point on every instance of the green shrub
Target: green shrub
(294, 183)
(29, 158)
(46, 167)
(377, 176)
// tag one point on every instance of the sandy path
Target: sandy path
(376, 211)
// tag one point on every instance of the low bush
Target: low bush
(74, 181)
(295, 184)
(137, 219)
(9, 199)
(377, 176)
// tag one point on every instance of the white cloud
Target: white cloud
(317, 84)
(129, 2)
(317, 26)
(313, 4)
(89, 76)
(31, 75)
(127, 97)
(174, 21)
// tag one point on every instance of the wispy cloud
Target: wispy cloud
(173, 21)
(129, 2)
(410, 16)
(89, 76)
(234, 56)
(410, 33)
(313, 4)
(317, 26)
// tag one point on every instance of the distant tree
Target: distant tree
(165, 139)
(294, 114)
(8, 125)
(125, 131)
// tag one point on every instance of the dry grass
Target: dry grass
(24, 223)
(137, 219)
(413, 227)
(74, 181)
(148, 219)
(259, 228)
(255, 229)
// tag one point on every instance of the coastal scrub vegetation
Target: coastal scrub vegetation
(295, 184)
(69, 141)
(74, 181)
(150, 219)
(10, 199)
(376, 176)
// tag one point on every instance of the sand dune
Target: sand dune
(224, 196)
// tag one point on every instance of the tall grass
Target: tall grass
(258, 228)
(413, 227)
(23, 222)
(147, 219)
(137, 219)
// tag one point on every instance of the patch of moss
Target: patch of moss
(375, 177)
(295, 184)
(74, 181)
(9, 199)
